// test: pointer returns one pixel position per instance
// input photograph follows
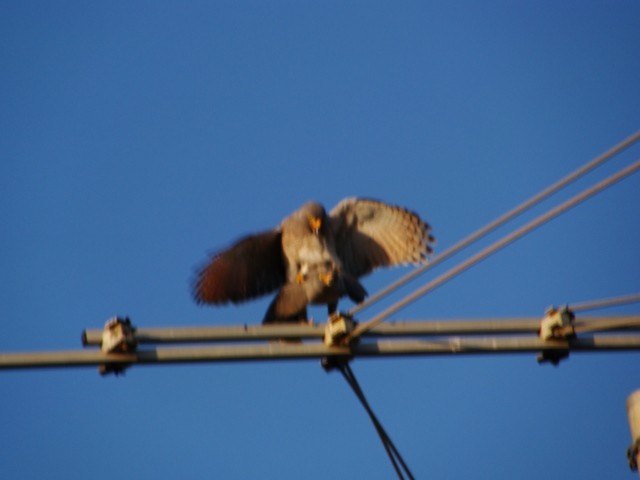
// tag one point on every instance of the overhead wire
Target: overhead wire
(628, 323)
(604, 303)
(595, 325)
(498, 222)
(398, 463)
(506, 240)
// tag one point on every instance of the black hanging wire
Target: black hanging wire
(396, 459)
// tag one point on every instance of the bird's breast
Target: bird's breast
(313, 255)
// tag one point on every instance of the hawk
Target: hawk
(314, 258)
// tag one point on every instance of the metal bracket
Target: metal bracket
(339, 326)
(117, 337)
(557, 324)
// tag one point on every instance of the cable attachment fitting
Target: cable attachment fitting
(339, 326)
(117, 337)
(558, 324)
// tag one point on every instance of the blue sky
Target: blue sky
(137, 136)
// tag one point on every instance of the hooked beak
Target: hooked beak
(314, 223)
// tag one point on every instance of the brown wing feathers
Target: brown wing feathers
(371, 234)
(358, 236)
(251, 267)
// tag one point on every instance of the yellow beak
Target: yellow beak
(314, 223)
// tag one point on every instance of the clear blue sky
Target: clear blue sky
(137, 136)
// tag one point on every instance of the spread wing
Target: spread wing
(370, 234)
(253, 266)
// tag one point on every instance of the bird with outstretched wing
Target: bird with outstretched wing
(314, 258)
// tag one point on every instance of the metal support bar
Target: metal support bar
(317, 350)
(493, 326)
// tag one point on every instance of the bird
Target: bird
(317, 284)
(314, 257)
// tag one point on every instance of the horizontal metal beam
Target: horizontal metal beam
(492, 326)
(317, 350)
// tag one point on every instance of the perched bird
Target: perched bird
(314, 258)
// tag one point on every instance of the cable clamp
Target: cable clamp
(557, 324)
(117, 337)
(338, 327)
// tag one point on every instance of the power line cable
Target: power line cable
(396, 459)
(525, 229)
(498, 222)
(604, 303)
(628, 323)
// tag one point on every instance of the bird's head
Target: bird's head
(316, 215)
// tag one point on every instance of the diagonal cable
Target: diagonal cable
(499, 221)
(348, 376)
(396, 459)
(607, 302)
(532, 225)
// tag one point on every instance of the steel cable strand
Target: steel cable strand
(604, 303)
(392, 451)
(387, 443)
